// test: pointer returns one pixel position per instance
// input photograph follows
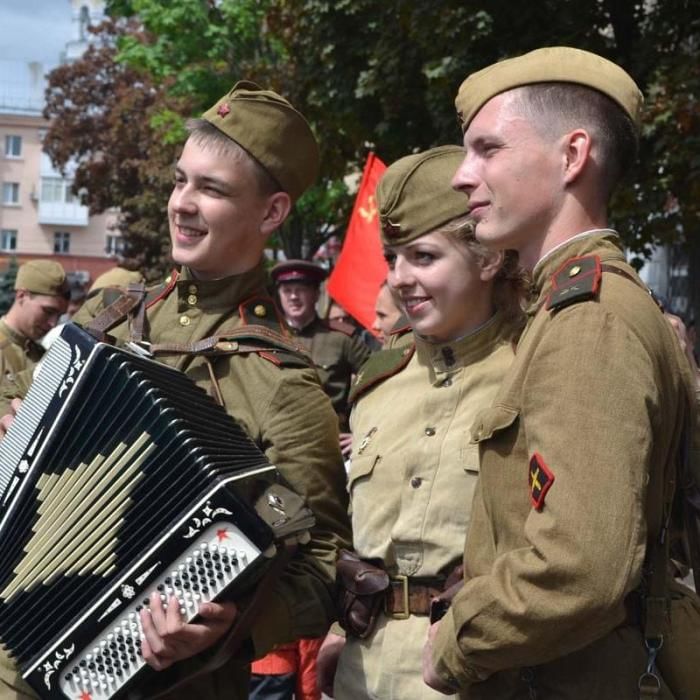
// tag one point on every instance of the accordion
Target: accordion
(119, 478)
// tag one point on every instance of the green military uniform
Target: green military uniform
(278, 402)
(411, 482)
(587, 418)
(337, 353)
(17, 353)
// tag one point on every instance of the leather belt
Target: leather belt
(411, 596)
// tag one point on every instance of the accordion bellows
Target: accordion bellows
(120, 477)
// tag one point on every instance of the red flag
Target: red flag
(360, 270)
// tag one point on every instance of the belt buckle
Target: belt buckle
(405, 613)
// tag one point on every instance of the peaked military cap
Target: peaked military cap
(554, 64)
(43, 277)
(415, 195)
(298, 271)
(270, 130)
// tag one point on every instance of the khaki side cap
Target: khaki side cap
(415, 195)
(42, 277)
(272, 131)
(555, 64)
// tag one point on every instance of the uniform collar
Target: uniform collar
(224, 293)
(470, 348)
(309, 329)
(602, 242)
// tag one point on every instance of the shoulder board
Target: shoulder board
(578, 279)
(380, 366)
(262, 311)
(341, 327)
(161, 290)
(279, 349)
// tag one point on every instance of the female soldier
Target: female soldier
(413, 470)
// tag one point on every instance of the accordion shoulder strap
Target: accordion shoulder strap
(122, 307)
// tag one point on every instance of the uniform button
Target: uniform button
(192, 299)
(192, 289)
(447, 382)
(184, 320)
(430, 432)
(416, 481)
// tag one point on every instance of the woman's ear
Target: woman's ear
(490, 264)
(278, 205)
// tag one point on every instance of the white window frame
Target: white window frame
(10, 141)
(11, 189)
(11, 234)
(61, 242)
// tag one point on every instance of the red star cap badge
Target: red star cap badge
(223, 110)
(222, 535)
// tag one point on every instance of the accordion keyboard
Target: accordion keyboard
(113, 658)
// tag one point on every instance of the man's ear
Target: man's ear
(278, 206)
(21, 294)
(576, 153)
(490, 265)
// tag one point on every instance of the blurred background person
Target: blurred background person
(41, 297)
(386, 313)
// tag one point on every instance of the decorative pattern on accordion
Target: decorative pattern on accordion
(119, 477)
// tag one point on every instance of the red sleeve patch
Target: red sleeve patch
(540, 480)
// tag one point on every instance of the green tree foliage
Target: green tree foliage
(7, 285)
(383, 76)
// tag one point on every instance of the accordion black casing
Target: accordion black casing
(119, 477)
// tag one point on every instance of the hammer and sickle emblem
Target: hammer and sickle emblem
(370, 212)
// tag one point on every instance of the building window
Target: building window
(61, 242)
(56, 189)
(8, 239)
(13, 146)
(10, 192)
(114, 245)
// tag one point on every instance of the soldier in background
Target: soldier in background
(387, 314)
(336, 350)
(41, 298)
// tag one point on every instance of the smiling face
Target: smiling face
(444, 290)
(513, 176)
(219, 220)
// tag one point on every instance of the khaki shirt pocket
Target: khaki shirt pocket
(361, 469)
(492, 421)
(470, 458)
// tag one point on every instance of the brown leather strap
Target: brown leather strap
(137, 314)
(117, 311)
(419, 595)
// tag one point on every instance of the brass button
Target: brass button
(260, 311)
(192, 289)
(430, 432)
(168, 279)
(416, 481)
(192, 299)
(574, 270)
(185, 320)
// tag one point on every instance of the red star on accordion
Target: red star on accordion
(223, 110)
(222, 535)
(85, 695)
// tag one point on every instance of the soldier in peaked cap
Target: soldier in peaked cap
(336, 350)
(40, 299)
(566, 548)
(242, 167)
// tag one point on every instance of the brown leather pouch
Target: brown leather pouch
(361, 587)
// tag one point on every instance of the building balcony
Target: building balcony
(63, 214)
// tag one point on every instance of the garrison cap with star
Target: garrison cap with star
(554, 64)
(272, 131)
(415, 195)
(298, 271)
(43, 277)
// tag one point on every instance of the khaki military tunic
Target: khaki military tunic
(589, 412)
(411, 483)
(286, 413)
(337, 354)
(17, 353)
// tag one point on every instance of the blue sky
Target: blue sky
(34, 30)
